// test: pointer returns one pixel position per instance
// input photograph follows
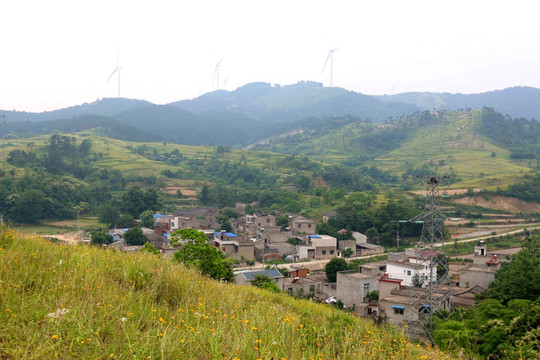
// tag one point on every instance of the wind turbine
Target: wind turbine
(117, 69)
(331, 57)
(216, 74)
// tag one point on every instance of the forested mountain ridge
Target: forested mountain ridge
(258, 112)
(518, 102)
(277, 103)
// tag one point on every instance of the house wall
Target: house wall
(405, 273)
(304, 227)
(303, 252)
(301, 287)
(247, 251)
(385, 287)
(343, 244)
(472, 276)
(394, 318)
(365, 252)
(325, 252)
(350, 287)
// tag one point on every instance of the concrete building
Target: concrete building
(318, 247)
(353, 285)
(476, 274)
(300, 224)
(234, 246)
(299, 283)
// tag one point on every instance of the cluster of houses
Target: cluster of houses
(254, 236)
(258, 237)
(393, 280)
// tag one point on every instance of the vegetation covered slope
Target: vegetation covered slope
(519, 101)
(464, 143)
(80, 302)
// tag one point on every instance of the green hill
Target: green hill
(82, 302)
(479, 145)
(265, 102)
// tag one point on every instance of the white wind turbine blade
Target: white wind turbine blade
(114, 72)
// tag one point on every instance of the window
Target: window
(324, 252)
(398, 311)
(312, 288)
(299, 226)
(290, 290)
(366, 287)
(331, 252)
(408, 272)
(308, 225)
(267, 221)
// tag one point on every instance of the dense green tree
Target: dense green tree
(347, 252)
(133, 202)
(302, 182)
(195, 251)
(100, 238)
(283, 222)
(227, 226)
(27, 207)
(147, 219)
(519, 278)
(149, 248)
(108, 214)
(229, 213)
(265, 282)
(125, 221)
(204, 195)
(333, 266)
(135, 236)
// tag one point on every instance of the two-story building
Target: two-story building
(318, 247)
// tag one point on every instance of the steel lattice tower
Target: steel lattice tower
(431, 292)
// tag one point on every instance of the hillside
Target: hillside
(81, 302)
(518, 102)
(268, 103)
(463, 143)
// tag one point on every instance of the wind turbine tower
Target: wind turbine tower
(117, 69)
(216, 75)
(331, 57)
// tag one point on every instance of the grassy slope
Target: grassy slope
(116, 155)
(139, 306)
(463, 151)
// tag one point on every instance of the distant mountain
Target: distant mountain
(268, 103)
(259, 113)
(103, 125)
(105, 107)
(518, 102)
(183, 127)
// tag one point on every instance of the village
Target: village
(294, 257)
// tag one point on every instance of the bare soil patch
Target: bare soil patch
(186, 192)
(501, 203)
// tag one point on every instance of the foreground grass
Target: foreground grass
(80, 302)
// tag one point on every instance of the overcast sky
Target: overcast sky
(55, 54)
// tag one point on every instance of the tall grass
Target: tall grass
(83, 302)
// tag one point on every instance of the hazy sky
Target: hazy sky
(55, 53)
